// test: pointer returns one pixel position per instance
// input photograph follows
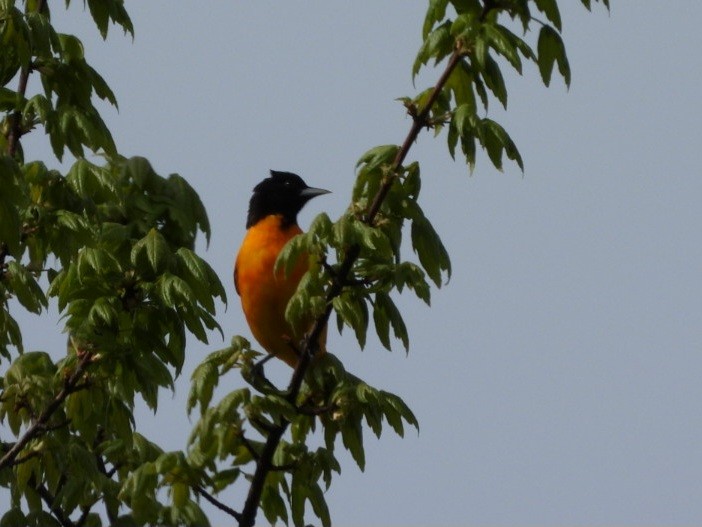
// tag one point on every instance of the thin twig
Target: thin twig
(214, 501)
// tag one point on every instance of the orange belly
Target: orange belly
(265, 294)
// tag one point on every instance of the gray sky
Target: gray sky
(556, 377)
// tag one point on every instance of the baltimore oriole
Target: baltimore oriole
(271, 223)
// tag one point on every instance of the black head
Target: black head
(283, 193)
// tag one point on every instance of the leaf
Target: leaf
(352, 438)
(503, 41)
(550, 9)
(437, 45)
(460, 82)
(200, 276)
(99, 12)
(493, 79)
(93, 261)
(25, 287)
(429, 248)
(104, 311)
(101, 88)
(435, 13)
(378, 156)
(151, 253)
(292, 254)
(388, 313)
(551, 50)
(354, 312)
(13, 518)
(42, 34)
(71, 48)
(495, 140)
(382, 324)
(10, 226)
(140, 171)
(10, 100)
(319, 505)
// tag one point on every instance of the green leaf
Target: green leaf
(435, 14)
(320, 229)
(201, 277)
(437, 45)
(43, 35)
(104, 312)
(386, 313)
(99, 85)
(10, 100)
(378, 156)
(93, 261)
(151, 254)
(352, 439)
(293, 253)
(140, 171)
(354, 312)
(550, 9)
(503, 41)
(495, 140)
(460, 82)
(25, 287)
(71, 48)
(40, 106)
(432, 254)
(13, 518)
(273, 505)
(551, 51)
(494, 80)
(319, 505)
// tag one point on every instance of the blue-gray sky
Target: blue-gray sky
(556, 377)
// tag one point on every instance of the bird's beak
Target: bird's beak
(311, 192)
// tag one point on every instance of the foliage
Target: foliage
(113, 244)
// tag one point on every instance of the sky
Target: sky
(556, 376)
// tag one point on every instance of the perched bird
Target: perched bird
(271, 223)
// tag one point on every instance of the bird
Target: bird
(271, 222)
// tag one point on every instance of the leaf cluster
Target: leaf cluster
(231, 435)
(485, 34)
(65, 108)
(115, 245)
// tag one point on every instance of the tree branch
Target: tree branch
(310, 346)
(50, 499)
(214, 501)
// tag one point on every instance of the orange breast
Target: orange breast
(264, 294)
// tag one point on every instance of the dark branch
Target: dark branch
(221, 506)
(50, 501)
